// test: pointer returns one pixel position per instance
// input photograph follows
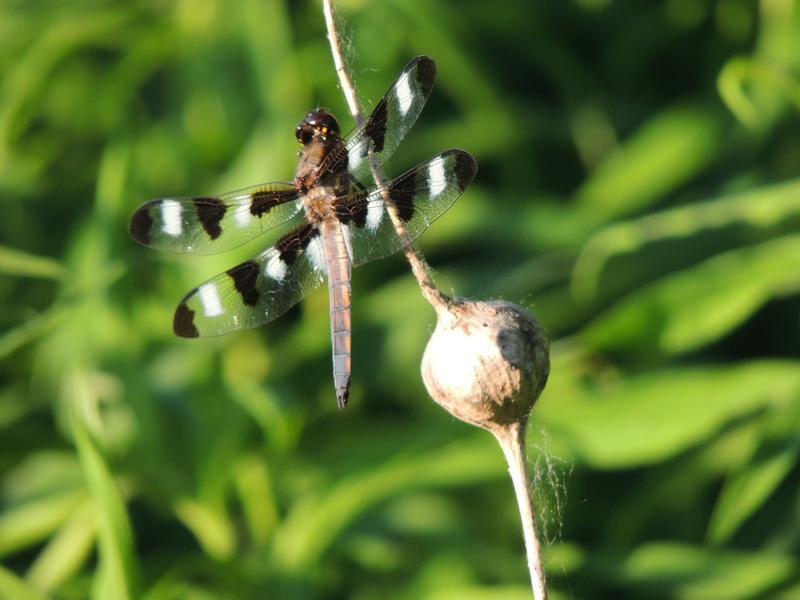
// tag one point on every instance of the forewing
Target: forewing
(257, 291)
(389, 122)
(208, 225)
(421, 196)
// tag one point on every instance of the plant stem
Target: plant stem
(511, 437)
(419, 267)
(512, 440)
(338, 61)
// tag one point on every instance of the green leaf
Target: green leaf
(17, 262)
(116, 575)
(683, 571)
(689, 309)
(769, 82)
(760, 209)
(257, 496)
(67, 551)
(32, 521)
(314, 523)
(747, 490)
(665, 152)
(41, 474)
(30, 330)
(500, 592)
(649, 418)
(212, 529)
(14, 588)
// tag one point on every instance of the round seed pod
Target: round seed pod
(486, 363)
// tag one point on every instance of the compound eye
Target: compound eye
(303, 134)
(331, 125)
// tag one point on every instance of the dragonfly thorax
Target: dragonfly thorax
(318, 203)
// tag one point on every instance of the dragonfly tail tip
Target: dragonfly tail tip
(342, 395)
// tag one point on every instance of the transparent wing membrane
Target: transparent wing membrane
(389, 122)
(421, 196)
(208, 225)
(256, 291)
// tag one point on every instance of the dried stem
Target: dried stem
(440, 302)
(512, 440)
(338, 60)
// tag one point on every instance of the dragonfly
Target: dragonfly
(330, 218)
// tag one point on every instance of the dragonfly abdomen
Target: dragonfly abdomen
(339, 264)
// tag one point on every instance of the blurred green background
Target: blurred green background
(638, 190)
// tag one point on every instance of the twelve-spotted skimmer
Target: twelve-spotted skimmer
(330, 218)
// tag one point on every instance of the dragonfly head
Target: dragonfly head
(317, 124)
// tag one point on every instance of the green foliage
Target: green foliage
(638, 188)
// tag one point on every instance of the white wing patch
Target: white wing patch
(356, 155)
(316, 254)
(171, 217)
(209, 297)
(404, 96)
(374, 215)
(242, 216)
(276, 268)
(437, 180)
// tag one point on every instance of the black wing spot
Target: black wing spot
(426, 73)
(265, 200)
(342, 160)
(465, 169)
(142, 223)
(352, 209)
(183, 322)
(210, 212)
(376, 127)
(334, 163)
(244, 279)
(293, 243)
(402, 192)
